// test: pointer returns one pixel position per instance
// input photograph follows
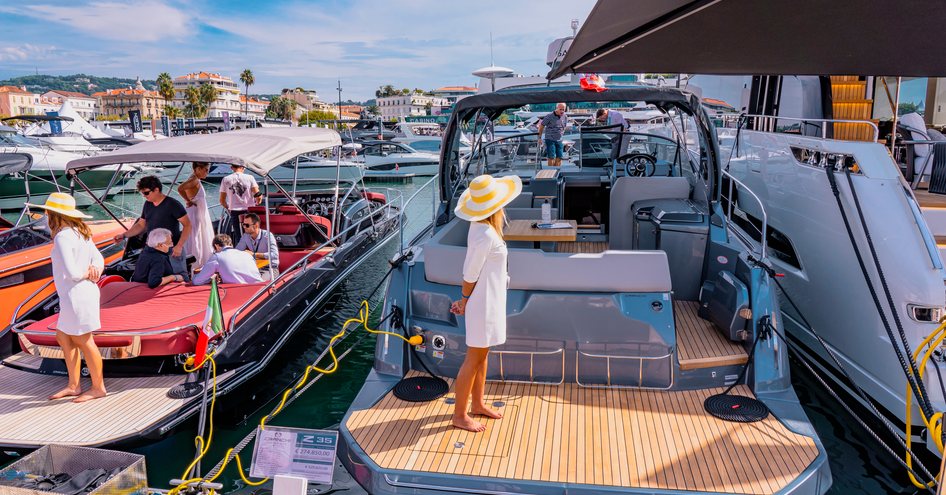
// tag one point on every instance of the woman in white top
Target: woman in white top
(192, 192)
(483, 300)
(77, 266)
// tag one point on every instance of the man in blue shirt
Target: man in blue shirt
(554, 125)
(260, 243)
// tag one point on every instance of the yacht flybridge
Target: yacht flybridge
(643, 351)
(322, 234)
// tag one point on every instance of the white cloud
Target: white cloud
(24, 52)
(131, 21)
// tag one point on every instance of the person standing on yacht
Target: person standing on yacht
(77, 266)
(202, 230)
(161, 211)
(554, 125)
(238, 192)
(483, 301)
(610, 117)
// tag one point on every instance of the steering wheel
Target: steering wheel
(320, 209)
(638, 164)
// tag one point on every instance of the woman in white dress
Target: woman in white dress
(201, 237)
(77, 266)
(483, 300)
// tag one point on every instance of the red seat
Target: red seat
(259, 210)
(110, 279)
(287, 210)
(295, 231)
(375, 196)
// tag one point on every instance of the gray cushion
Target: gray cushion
(528, 213)
(627, 191)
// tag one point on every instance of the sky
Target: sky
(286, 43)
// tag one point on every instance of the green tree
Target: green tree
(172, 112)
(503, 120)
(281, 108)
(405, 91)
(166, 90)
(195, 106)
(313, 116)
(386, 90)
(247, 78)
(373, 110)
(429, 106)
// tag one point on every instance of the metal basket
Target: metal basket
(53, 459)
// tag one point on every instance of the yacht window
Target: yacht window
(912, 97)
(779, 245)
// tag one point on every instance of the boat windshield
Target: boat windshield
(14, 139)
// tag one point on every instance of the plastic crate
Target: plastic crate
(53, 459)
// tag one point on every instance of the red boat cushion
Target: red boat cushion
(375, 196)
(259, 210)
(289, 258)
(171, 314)
(288, 209)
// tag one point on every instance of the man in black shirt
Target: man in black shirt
(164, 212)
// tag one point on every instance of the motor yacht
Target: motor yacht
(623, 330)
(147, 334)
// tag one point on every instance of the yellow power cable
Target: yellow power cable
(361, 319)
(934, 424)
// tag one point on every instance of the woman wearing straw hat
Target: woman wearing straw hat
(77, 266)
(483, 300)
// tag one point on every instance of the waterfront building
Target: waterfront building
(308, 99)
(412, 104)
(120, 101)
(16, 101)
(253, 108)
(84, 105)
(42, 104)
(454, 94)
(228, 93)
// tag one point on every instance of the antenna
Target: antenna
(339, 88)
(491, 48)
(574, 27)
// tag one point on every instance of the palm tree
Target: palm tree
(246, 77)
(166, 90)
(195, 106)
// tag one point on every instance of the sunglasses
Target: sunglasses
(145, 192)
(248, 225)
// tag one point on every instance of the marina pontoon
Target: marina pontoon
(629, 334)
(147, 334)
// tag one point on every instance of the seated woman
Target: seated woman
(154, 264)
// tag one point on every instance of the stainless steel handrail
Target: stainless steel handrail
(824, 129)
(409, 200)
(765, 216)
(302, 261)
(16, 312)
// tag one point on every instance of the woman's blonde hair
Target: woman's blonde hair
(58, 222)
(497, 221)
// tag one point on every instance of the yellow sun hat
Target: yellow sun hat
(63, 204)
(487, 195)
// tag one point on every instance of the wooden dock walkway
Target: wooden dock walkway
(28, 419)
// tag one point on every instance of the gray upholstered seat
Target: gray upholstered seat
(532, 269)
(629, 190)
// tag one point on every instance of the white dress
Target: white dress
(485, 264)
(200, 242)
(78, 296)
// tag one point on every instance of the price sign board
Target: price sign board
(309, 454)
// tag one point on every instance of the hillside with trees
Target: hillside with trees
(81, 83)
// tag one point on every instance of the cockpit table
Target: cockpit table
(522, 230)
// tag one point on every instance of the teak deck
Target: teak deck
(699, 343)
(569, 434)
(28, 419)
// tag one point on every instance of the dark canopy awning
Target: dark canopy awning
(761, 37)
(514, 98)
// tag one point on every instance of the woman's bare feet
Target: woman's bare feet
(66, 392)
(90, 395)
(482, 410)
(467, 423)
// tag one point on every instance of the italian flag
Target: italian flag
(213, 325)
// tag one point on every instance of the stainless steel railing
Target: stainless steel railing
(433, 215)
(767, 123)
(763, 231)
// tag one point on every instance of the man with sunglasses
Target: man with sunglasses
(161, 211)
(261, 245)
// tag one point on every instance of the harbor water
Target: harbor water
(858, 463)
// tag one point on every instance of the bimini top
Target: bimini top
(517, 97)
(752, 37)
(259, 150)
